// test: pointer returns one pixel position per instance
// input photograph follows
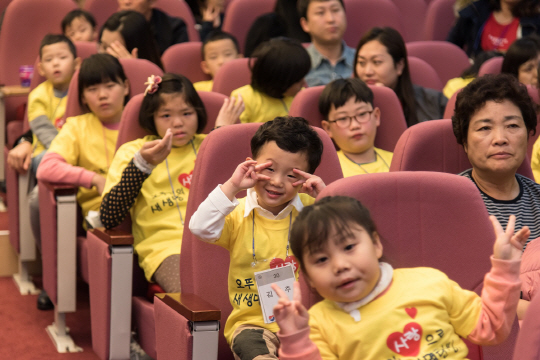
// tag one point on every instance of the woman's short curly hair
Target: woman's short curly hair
(491, 88)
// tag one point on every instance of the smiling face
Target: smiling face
(57, 64)
(376, 66)
(357, 138)
(325, 21)
(497, 138)
(528, 72)
(80, 30)
(177, 115)
(274, 194)
(106, 100)
(345, 269)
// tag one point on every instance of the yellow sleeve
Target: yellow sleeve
(535, 160)
(247, 98)
(121, 159)
(67, 142)
(464, 307)
(317, 336)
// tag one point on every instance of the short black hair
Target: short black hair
(73, 14)
(51, 39)
(291, 134)
(264, 28)
(217, 35)
(339, 91)
(280, 63)
(486, 88)
(303, 5)
(171, 84)
(99, 69)
(521, 51)
(315, 224)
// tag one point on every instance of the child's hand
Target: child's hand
(244, 177)
(230, 111)
(20, 157)
(311, 184)
(99, 182)
(211, 14)
(508, 246)
(154, 152)
(119, 51)
(291, 316)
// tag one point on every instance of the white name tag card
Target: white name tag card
(282, 277)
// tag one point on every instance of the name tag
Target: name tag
(282, 277)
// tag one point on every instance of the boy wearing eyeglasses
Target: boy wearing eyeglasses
(352, 121)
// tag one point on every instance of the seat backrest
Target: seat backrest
(232, 75)
(240, 15)
(407, 209)
(393, 124)
(440, 18)
(101, 10)
(424, 74)
(450, 105)
(432, 146)
(528, 341)
(411, 11)
(362, 15)
(137, 72)
(491, 66)
(185, 58)
(180, 9)
(446, 58)
(219, 154)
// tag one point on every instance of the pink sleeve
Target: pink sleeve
(54, 168)
(298, 346)
(500, 297)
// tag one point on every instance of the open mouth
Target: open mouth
(273, 194)
(347, 284)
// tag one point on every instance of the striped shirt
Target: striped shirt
(526, 206)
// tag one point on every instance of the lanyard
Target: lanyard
(376, 156)
(255, 261)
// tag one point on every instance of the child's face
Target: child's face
(57, 64)
(106, 100)
(345, 270)
(274, 194)
(217, 53)
(325, 21)
(176, 114)
(80, 30)
(359, 135)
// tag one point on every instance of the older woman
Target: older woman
(493, 118)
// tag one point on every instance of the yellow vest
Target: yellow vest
(350, 168)
(204, 85)
(535, 160)
(261, 107)
(157, 229)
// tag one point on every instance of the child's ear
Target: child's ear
(126, 87)
(40, 69)
(77, 63)
(205, 68)
(326, 127)
(377, 114)
(377, 244)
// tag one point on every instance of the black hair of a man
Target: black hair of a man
(51, 39)
(291, 134)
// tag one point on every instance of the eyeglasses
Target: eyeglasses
(345, 121)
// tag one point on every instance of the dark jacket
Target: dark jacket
(167, 30)
(430, 104)
(467, 32)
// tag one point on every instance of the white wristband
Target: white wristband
(142, 164)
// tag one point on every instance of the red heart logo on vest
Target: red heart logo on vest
(406, 343)
(278, 262)
(411, 312)
(185, 179)
(58, 123)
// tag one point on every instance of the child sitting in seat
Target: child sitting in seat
(255, 229)
(369, 307)
(151, 177)
(218, 48)
(277, 75)
(79, 25)
(352, 121)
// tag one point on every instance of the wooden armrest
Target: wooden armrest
(191, 306)
(113, 237)
(14, 90)
(60, 189)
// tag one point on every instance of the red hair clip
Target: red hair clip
(152, 84)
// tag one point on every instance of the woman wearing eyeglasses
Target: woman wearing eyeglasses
(352, 121)
(381, 59)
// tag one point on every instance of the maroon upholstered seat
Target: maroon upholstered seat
(432, 146)
(491, 66)
(232, 75)
(439, 19)
(528, 341)
(305, 104)
(185, 59)
(411, 11)
(424, 74)
(420, 214)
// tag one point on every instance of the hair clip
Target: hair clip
(152, 83)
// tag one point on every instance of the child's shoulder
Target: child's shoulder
(306, 199)
(43, 90)
(245, 90)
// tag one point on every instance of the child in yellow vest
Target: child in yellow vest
(368, 307)
(82, 152)
(277, 75)
(217, 49)
(255, 229)
(352, 121)
(151, 177)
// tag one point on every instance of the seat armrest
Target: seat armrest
(112, 236)
(14, 90)
(60, 189)
(191, 307)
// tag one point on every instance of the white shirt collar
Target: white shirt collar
(252, 203)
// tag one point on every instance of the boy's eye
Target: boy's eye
(321, 260)
(349, 247)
